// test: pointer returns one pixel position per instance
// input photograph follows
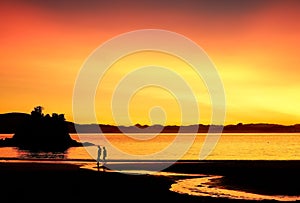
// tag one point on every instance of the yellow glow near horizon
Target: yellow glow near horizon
(142, 99)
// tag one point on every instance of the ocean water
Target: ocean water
(229, 146)
(121, 147)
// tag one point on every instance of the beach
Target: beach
(62, 181)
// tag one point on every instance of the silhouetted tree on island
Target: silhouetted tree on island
(43, 133)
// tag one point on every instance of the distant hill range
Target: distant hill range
(9, 122)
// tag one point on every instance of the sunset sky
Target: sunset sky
(255, 46)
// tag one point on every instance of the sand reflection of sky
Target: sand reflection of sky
(203, 187)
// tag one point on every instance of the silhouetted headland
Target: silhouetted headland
(39, 132)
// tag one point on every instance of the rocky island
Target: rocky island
(41, 132)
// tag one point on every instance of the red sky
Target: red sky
(254, 45)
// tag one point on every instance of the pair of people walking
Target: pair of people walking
(102, 152)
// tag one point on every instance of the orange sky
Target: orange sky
(254, 45)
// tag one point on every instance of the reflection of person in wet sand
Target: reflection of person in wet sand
(98, 156)
(104, 155)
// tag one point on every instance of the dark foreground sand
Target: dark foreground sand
(59, 182)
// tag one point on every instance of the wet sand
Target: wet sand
(35, 181)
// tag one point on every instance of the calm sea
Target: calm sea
(258, 146)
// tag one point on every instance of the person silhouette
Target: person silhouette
(104, 155)
(98, 156)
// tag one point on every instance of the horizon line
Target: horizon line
(186, 125)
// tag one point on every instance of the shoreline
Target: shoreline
(77, 182)
(153, 160)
